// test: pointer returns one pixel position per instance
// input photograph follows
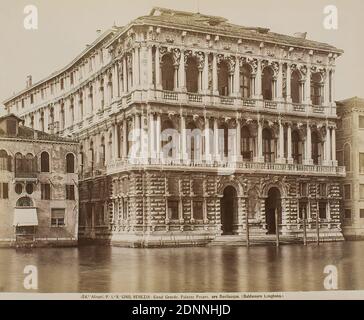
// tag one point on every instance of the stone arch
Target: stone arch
(232, 182)
(274, 184)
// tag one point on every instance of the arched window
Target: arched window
(194, 142)
(30, 163)
(72, 111)
(24, 202)
(316, 148)
(19, 162)
(167, 72)
(192, 75)
(70, 163)
(44, 162)
(110, 86)
(316, 89)
(347, 157)
(268, 149)
(41, 122)
(245, 81)
(62, 117)
(51, 120)
(267, 83)
(81, 159)
(296, 148)
(5, 161)
(102, 151)
(223, 78)
(296, 87)
(102, 93)
(169, 135)
(224, 142)
(246, 146)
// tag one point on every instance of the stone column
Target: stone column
(183, 138)
(115, 143)
(157, 69)
(216, 141)
(215, 90)
(238, 141)
(67, 114)
(125, 76)
(151, 131)
(333, 87)
(137, 134)
(281, 143)
(175, 86)
(207, 140)
(205, 78)
(308, 145)
(258, 81)
(46, 118)
(327, 89)
(115, 81)
(288, 85)
(182, 73)
(260, 157)
(289, 144)
(280, 82)
(158, 136)
(333, 147)
(328, 147)
(308, 86)
(125, 138)
(237, 77)
(150, 67)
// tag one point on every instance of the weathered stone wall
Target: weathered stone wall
(57, 178)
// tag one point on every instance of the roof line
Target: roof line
(68, 66)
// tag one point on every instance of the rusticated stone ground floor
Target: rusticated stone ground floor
(167, 208)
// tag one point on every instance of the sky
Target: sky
(67, 26)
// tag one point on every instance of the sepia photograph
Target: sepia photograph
(181, 150)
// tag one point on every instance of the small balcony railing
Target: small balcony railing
(194, 97)
(270, 105)
(170, 95)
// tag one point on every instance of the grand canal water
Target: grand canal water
(215, 269)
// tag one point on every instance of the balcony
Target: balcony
(225, 166)
(26, 175)
(178, 98)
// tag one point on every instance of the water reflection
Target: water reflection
(216, 269)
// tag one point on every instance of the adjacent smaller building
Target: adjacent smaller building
(38, 186)
(350, 153)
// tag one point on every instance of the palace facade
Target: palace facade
(38, 186)
(350, 153)
(193, 128)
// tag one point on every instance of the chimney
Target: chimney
(301, 35)
(98, 31)
(29, 81)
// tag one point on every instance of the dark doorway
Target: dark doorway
(272, 203)
(228, 210)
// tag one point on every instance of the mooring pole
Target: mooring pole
(317, 224)
(304, 228)
(247, 228)
(277, 227)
